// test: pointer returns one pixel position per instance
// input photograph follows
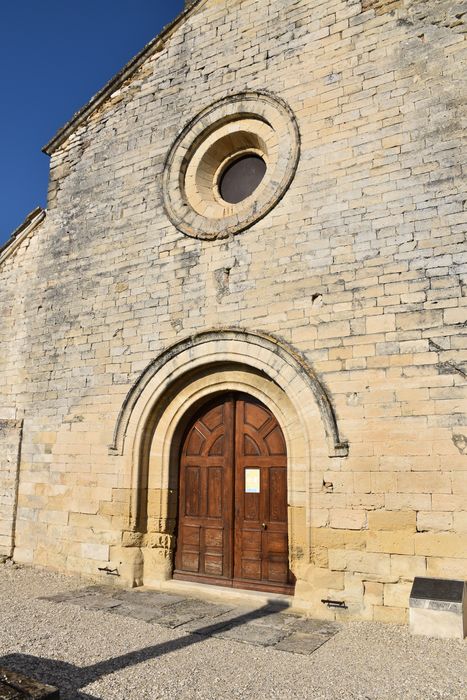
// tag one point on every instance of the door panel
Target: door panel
(193, 493)
(276, 492)
(215, 495)
(205, 497)
(262, 516)
(233, 498)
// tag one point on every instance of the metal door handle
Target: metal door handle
(264, 526)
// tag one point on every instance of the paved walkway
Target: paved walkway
(96, 643)
(267, 626)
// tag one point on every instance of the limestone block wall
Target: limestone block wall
(359, 268)
(17, 280)
(10, 444)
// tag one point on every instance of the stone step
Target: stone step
(225, 595)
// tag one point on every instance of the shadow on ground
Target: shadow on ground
(71, 679)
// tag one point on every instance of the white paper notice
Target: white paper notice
(252, 480)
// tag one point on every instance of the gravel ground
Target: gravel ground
(94, 654)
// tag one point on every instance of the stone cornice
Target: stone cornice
(29, 224)
(155, 46)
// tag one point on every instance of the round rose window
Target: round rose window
(231, 165)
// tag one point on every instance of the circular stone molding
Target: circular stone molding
(248, 124)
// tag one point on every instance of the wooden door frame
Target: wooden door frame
(188, 421)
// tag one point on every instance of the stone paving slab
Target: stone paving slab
(270, 618)
(300, 643)
(253, 634)
(189, 610)
(268, 626)
(154, 598)
(322, 627)
(15, 686)
(209, 625)
(96, 602)
(137, 612)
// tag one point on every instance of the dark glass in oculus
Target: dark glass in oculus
(241, 178)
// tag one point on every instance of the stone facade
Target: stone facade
(342, 308)
(10, 440)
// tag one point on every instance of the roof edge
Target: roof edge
(32, 220)
(154, 46)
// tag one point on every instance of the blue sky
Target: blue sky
(55, 54)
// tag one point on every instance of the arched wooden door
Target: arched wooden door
(232, 527)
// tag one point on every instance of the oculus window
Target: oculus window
(231, 165)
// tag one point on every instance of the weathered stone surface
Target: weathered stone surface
(265, 626)
(300, 643)
(96, 602)
(188, 610)
(14, 686)
(211, 624)
(148, 598)
(356, 272)
(138, 612)
(10, 440)
(315, 627)
(253, 634)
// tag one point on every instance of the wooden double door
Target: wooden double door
(232, 526)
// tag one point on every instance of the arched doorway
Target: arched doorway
(233, 512)
(157, 412)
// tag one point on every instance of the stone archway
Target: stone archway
(155, 414)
